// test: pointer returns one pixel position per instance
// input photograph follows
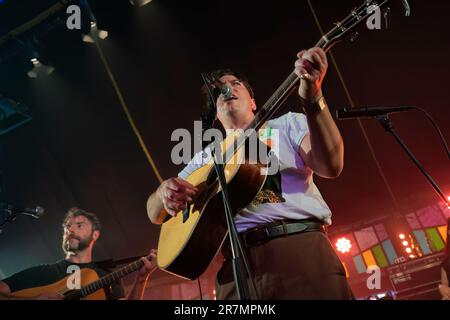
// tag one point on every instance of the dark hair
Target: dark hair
(75, 212)
(217, 74)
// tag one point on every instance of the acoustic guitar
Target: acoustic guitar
(90, 284)
(189, 241)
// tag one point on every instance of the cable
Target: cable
(127, 112)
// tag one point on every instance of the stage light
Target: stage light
(343, 245)
(405, 243)
(401, 236)
(140, 3)
(408, 250)
(39, 69)
(411, 256)
(95, 33)
(90, 30)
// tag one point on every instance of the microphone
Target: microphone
(222, 88)
(348, 113)
(33, 212)
(226, 92)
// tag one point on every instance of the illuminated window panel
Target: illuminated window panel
(443, 231)
(381, 232)
(430, 216)
(422, 240)
(369, 258)
(359, 263)
(412, 221)
(379, 256)
(435, 238)
(366, 238)
(390, 251)
(444, 209)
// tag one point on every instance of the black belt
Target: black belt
(280, 228)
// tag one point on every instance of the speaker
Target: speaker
(417, 279)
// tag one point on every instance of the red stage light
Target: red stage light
(343, 245)
(401, 236)
(408, 250)
(405, 243)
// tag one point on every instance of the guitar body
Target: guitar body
(189, 241)
(86, 276)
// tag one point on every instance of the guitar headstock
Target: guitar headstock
(357, 16)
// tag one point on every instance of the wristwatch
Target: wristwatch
(313, 107)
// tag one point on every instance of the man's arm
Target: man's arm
(140, 283)
(5, 294)
(155, 207)
(323, 148)
(5, 291)
(171, 197)
(443, 287)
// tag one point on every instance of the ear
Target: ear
(95, 235)
(253, 105)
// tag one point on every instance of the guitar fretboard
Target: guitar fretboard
(111, 278)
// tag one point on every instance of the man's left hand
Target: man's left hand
(311, 66)
(149, 265)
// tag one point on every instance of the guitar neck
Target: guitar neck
(281, 94)
(111, 278)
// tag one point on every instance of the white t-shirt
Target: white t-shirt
(299, 197)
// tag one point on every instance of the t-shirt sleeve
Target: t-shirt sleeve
(297, 128)
(199, 160)
(25, 279)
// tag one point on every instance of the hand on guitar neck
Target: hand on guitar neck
(149, 265)
(311, 67)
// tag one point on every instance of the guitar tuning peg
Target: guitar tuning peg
(354, 36)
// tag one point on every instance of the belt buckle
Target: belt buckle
(248, 245)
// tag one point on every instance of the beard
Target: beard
(74, 244)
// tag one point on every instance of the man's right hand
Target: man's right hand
(175, 194)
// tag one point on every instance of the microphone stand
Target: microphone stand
(12, 214)
(239, 260)
(386, 123)
(10, 218)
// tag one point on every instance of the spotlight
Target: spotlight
(343, 245)
(39, 70)
(405, 243)
(401, 236)
(408, 250)
(90, 30)
(95, 33)
(140, 3)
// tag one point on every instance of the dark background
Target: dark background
(80, 149)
